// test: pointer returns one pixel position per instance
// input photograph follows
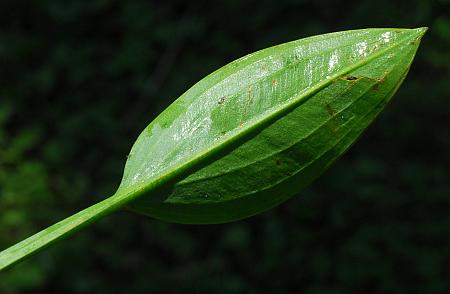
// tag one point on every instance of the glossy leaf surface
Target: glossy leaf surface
(253, 133)
(274, 120)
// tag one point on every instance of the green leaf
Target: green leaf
(273, 121)
(253, 133)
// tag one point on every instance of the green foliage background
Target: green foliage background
(79, 80)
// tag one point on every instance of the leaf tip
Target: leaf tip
(421, 31)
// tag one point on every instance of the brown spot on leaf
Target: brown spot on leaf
(333, 124)
(274, 83)
(351, 78)
(248, 101)
(222, 100)
(330, 110)
(286, 173)
(381, 79)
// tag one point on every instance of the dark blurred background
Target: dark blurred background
(79, 80)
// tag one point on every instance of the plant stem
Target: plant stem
(62, 229)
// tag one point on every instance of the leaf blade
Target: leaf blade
(331, 138)
(203, 193)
